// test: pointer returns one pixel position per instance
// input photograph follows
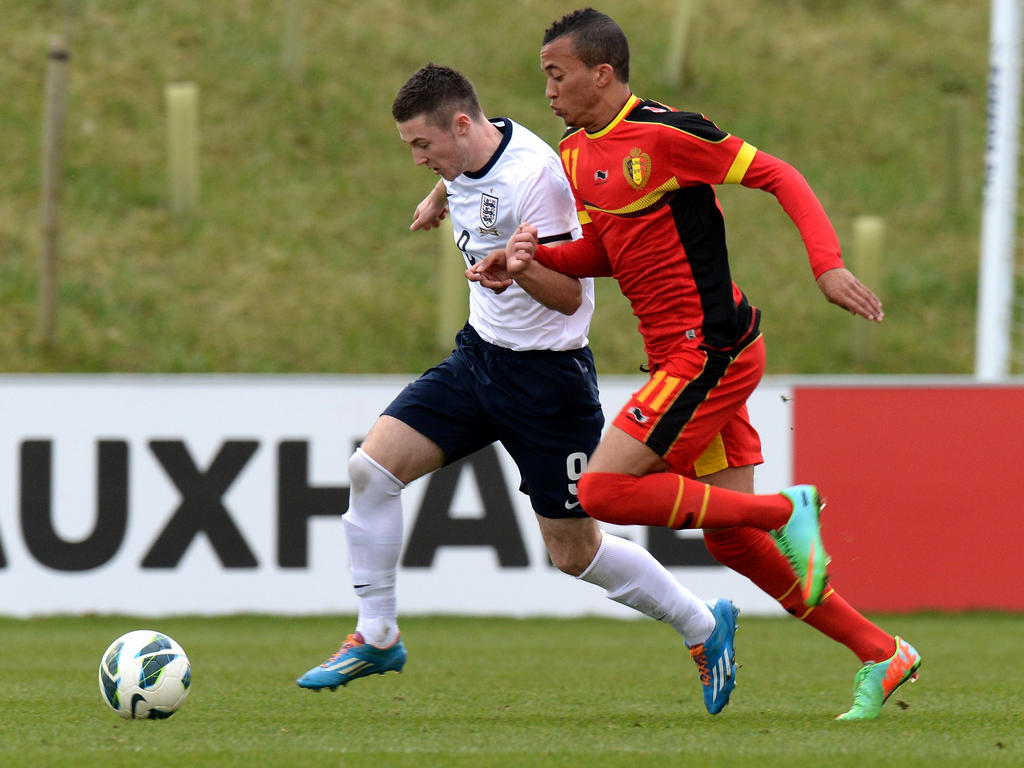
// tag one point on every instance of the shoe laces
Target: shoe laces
(351, 641)
(701, 659)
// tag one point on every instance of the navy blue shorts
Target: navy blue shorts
(543, 406)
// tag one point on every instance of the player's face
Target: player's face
(440, 149)
(571, 84)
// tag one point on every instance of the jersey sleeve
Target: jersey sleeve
(704, 154)
(585, 257)
(700, 152)
(546, 202)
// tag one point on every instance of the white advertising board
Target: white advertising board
(159, 495)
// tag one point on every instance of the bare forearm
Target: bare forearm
(552, 289)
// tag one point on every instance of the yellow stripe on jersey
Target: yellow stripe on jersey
(642, 202)
(569, 158)
(740, 164)
(584, 217)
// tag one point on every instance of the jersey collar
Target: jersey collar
(631, 102)
(504, 125)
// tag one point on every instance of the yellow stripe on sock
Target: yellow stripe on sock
(824, 596)
(675, 507)
(703, 507)
(785, 594)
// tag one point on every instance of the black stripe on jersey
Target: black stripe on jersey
(661, 202)
(554, 238)
(666, 431)
(690, 122)
(701, 230)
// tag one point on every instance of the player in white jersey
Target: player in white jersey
(521, 374)
(523, 178)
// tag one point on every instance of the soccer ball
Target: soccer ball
(144, 674)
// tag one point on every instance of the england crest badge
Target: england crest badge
(488, 210)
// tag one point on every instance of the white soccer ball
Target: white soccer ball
(145, 674)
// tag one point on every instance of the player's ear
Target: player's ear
(604, 74)
(461, 123)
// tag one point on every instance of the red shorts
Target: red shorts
(693, 411)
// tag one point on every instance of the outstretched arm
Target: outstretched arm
(839, 285)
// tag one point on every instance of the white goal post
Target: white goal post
(996, 278)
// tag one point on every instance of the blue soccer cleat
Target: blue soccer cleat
(716, 657)
(355, 658)
(800, 541)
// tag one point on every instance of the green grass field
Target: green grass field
(505, 692)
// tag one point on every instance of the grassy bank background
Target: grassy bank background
(299, 258)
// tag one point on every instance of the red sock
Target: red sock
(752, 552)
(665, 499)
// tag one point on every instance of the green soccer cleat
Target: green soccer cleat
(800, 541)
(876, 682)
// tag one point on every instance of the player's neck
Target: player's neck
(611, 103)
(487, 143)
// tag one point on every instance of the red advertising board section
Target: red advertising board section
(924, 491)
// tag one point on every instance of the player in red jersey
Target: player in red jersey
(642, 175)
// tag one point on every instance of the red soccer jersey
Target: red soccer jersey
(651, 220)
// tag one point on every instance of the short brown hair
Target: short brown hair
(438, 93)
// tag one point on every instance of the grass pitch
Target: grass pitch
(506, 692)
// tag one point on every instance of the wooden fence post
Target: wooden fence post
(868, 242)
(452, 301)
(954, 155)
(52, 176)
(679, 60)
(183, 145)
(293, 43)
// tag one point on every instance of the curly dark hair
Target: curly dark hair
(438, 93)
(596, 38)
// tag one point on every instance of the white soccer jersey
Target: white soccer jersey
(523, 181)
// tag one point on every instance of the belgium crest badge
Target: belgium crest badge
(637, 168)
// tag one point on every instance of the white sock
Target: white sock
(373, 533)
(630, 575)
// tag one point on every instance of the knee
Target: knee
(360, 471)
(572, 560)
(572, 543)
(368, 479)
